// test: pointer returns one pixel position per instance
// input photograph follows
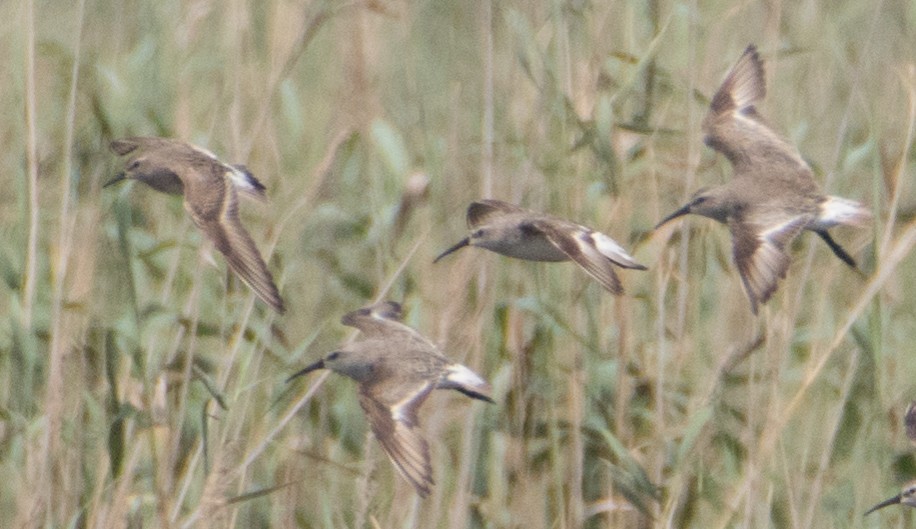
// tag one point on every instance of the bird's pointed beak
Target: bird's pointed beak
(679, 213)
(461, 244)
(118, 177)
(314, 367)
(890, 501)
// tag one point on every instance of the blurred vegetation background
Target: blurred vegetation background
(141, 387)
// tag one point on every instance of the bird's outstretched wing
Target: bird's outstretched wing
(391, 407)
(218, 218)
(380, 319)
(480, 211)
(759, 247)
(734, 127)
(595, 252)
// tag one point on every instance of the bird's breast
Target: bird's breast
(531, 247)
(164, 181)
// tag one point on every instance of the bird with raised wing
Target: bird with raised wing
(210, 189)
(772, 196)
(396, 368)
(516, 232)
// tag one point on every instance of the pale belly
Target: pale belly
(529, 248)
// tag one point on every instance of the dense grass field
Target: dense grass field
(141, 386)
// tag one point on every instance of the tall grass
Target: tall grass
(142, 387)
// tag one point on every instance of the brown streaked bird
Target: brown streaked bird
(210, 188)
(772, 196)
(524, 234)
(396, 368)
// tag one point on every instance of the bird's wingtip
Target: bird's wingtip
(123, 146)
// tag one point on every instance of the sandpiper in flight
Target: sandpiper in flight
(210, 188)
(772, 196)
(516, 232)
(396, 368)
(908, 495)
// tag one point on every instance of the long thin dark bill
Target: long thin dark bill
(314, 367)
(118, 177)
(461, 244)
(891, 501)
(683, 211)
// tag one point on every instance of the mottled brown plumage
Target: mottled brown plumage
(772, 196)
(396, 369)
(210, 188)
(524, 234)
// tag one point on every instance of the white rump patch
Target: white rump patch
(609, 248)
(462, 376)
(245, 182)
(838, 210)
(241, 180)
(397, 413)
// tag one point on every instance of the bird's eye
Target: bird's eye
(334, 356)
(133, 165)
(699, 200)
(477, 234)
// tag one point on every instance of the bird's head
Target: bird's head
(708, 202)
(348, 362)
(147, 163)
